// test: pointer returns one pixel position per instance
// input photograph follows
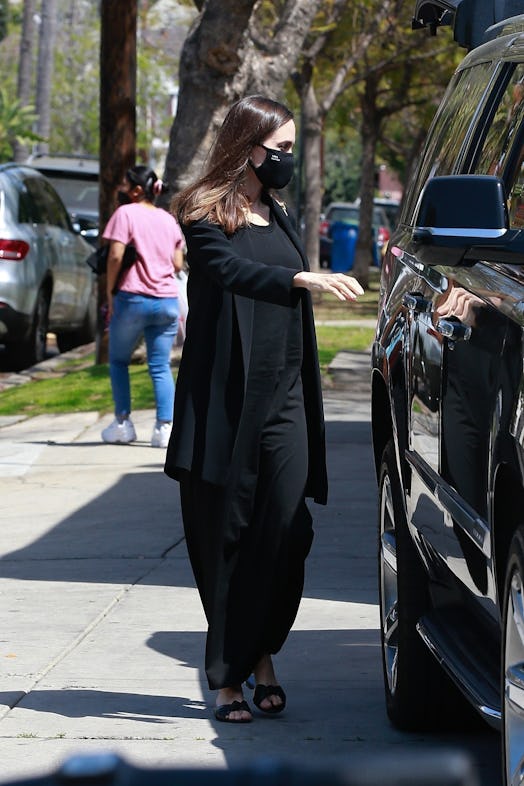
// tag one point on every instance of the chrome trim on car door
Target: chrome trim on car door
(463, 515)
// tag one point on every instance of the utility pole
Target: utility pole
(117, 119)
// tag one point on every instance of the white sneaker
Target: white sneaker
(161, 434)
(119, 432)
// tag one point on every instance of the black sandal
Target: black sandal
(263, 692)
(223, 712)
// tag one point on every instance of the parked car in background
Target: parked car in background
(45, 282)
(391, 207)
(348, 213)
(448, 413)
(76, 179)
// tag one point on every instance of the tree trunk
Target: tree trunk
(25, 67)
(222, 61)
(25, 63)
(271, 60)
(117, 116)
(209, 63)
(117, 98)
(4, 19)
(45, 71)
(312, 161)
(369, 131)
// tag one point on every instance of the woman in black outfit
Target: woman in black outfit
(247, 444)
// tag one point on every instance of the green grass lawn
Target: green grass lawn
(88, 389)
(329, 307)
(83, 390)
(332, 340)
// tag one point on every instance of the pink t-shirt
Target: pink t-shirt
(155, 234)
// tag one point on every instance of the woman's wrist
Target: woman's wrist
(300, 280)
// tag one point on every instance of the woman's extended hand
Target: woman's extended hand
(342, 286)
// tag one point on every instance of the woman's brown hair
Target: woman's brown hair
(217, 196)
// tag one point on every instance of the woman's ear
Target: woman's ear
(137, 193)
(257, 155)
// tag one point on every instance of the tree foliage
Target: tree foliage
(75, 84)
(74, 102)
(361, 65)
(367, 85)
(16, 122)
(235, 47)
(341, 172)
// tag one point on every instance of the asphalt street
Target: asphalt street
(102, 633)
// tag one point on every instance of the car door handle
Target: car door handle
(453, 329)
(418, 304)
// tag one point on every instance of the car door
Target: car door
(69, 272)
(465, 338)
(456, 377)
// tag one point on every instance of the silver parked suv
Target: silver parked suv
(448, 412)
(45, 283)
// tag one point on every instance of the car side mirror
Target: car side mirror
(460, 219)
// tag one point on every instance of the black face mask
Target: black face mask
(276, 170)
(123, 198)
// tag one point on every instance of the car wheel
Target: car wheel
(513, 663)
(419, 695)
(22, 354)
(37, 343)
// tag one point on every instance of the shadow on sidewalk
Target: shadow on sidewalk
(130, 528)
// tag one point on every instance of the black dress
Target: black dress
(248, 540)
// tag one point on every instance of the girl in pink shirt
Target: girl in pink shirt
(142, 299)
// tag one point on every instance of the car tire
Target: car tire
(32, 350)
(513, 662)
(419, 695)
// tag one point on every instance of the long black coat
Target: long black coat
(222, 285)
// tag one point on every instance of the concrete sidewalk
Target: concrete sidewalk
(102, 632)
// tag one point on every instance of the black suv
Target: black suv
(448, 411)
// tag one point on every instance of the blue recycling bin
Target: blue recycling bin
(344, 239)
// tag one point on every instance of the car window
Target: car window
(347, 214)
(43, 204)
(55, 209)
(26, 213)
(380, 218)
(9, 201)
(34, 201)
(504, 126)
(392, 212)
(462, 103)
(77, 194)
(351, 215)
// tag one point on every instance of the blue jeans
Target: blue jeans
(157, 319)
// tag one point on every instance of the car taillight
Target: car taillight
(324, 228)
(15, 250)
(382, 236)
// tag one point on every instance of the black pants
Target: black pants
(247, 544)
